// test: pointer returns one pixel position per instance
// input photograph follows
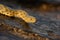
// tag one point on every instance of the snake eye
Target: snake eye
(32, 19)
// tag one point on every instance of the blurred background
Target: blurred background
(47, 13)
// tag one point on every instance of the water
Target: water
(45, 23)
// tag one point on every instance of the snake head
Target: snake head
(30, 19)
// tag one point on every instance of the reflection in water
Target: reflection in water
(3, 38)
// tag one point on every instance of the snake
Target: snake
(17, 13)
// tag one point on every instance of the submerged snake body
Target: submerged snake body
(17, 13)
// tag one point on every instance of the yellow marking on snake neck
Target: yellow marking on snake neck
(17, 13)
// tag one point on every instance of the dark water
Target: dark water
(7, 36)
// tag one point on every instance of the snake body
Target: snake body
(17, 13)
